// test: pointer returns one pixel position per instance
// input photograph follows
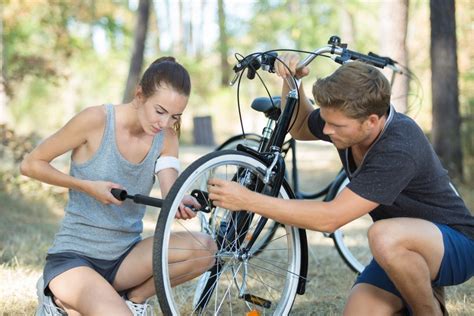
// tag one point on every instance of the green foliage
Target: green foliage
(53, 67)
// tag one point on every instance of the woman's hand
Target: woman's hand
(228, 194)
(184, 211)
(100, 190)
(291, 61)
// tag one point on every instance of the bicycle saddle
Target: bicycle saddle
(270, 107)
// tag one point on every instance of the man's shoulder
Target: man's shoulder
(403, 132)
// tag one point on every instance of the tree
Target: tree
(3, 93)
(223, 45)
(444, 86)
(393, 44)
(136, 62)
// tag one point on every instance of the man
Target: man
(423, 234)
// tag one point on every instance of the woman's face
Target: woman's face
(161, 110)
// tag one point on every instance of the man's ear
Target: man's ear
(372, 120)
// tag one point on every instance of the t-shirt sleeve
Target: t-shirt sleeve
(316, 125)
(383, 176)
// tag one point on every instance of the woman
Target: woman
(98, 264)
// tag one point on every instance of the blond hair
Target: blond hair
(355, 88)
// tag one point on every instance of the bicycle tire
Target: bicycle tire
(265, 277)
(351, 239)
(250, 140)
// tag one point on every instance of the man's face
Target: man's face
(344, 131)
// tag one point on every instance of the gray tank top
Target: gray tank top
(101, 231)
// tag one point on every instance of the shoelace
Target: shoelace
(140, 309)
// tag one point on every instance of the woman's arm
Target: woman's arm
(73, 135)
(168, 176)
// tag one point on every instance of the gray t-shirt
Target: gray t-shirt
(101, 231)
(403, 174)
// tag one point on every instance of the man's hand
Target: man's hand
(291, 60)
(184, 212)
(228, 194)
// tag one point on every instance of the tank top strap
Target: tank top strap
(109, 132)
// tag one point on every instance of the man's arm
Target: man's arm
(300, 129)
(308, 214)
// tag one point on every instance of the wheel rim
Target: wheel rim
(271, 275)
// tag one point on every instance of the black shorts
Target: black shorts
(58, 263)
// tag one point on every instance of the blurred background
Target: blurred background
(60, 56)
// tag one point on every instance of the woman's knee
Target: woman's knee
(210, 251)
(366, 299)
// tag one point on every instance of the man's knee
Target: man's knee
(384, 237)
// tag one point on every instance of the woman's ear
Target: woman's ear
(139, 93)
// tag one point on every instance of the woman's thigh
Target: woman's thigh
(86, 291)
(195, 251)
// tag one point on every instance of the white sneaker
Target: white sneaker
(143, 309)
(46, 306)
(200, 288)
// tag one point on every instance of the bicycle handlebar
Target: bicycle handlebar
(266, 60)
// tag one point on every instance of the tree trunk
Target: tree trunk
(3, 83)
(136, 62)
(200, 31)
(347, 26)
(393, 44)
(179, 43)
(223, 45)
(444, 86)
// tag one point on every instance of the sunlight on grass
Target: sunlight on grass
(27, 228)
(18, 290)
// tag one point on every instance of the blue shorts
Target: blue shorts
(59, 263)
(456, 266)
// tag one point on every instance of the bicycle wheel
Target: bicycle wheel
(351, 240)
(241, 280)
(249, 140)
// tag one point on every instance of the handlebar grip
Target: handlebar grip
(389, 60)
(119, 194)
(375, 61)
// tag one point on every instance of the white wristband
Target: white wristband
(167, 162)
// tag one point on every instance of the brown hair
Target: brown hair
(355, 88)
(166, 71)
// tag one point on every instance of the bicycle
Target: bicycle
(350, 244)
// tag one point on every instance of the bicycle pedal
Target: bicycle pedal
(257, 300)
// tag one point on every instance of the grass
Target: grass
(28, 225)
